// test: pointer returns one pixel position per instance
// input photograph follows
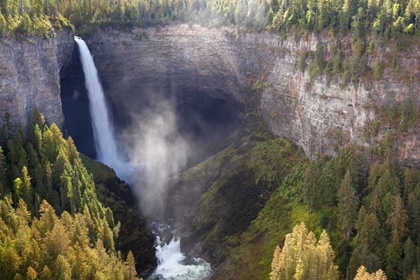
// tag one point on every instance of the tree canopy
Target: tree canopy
(360, 17)
(303, 257)
(52, 225)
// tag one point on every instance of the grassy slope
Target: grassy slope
(252, 202)
(249, 206)
(252, 259)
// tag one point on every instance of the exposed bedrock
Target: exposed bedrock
(30, 76)
(198, 64)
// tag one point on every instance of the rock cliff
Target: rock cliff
(200, 64)
(197, 63)
(30, 76)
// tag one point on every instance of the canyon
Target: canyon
(229, 72)
(202, 65)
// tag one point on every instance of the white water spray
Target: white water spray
(174, 265)
(103, 132)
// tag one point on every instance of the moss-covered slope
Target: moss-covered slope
(216, 201)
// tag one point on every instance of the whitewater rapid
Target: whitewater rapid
(174, 265)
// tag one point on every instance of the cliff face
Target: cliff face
(30, 76)
(197, 63)
(200, 64)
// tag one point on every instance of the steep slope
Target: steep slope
(134, 234)
(215, 202)
(30, 76)
(321, 113)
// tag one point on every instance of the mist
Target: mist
(157, 151)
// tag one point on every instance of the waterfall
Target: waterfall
(103, 132)
(173, 264)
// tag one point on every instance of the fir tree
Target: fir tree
(348, 205)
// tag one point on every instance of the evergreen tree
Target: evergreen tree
(302, 257)
(362, 274)
(396, 220)
(311, 188)
(348, 205)
(369, 243)
(3, 175)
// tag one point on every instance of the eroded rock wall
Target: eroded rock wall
(30, 76)
(224, 63)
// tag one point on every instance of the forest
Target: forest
(362, 205)
(52, 225)
(369, 206)
(374, 17)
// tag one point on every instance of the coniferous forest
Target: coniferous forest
(369, 206)
(52, 225)
(388, 17)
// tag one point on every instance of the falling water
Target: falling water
(173, 264)
(103, 133)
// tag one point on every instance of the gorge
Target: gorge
(200, 65)
(234, 78)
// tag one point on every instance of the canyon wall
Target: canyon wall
(201, 64)
(198, 63)
(30, 76)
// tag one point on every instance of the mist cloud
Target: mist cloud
(157, 151)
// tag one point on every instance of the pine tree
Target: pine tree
(27, 192)
(62, 269)
(362, 274)
(396, 220)
(368, 242)
(3, 175)
(31, 273)
(302, 257)
(348, 204)
(131, 265)
(407, 264)
(3, 24)
(311, 187)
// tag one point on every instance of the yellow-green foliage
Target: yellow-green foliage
(72, 236)
(53, 247)
(303, 257)
(362, 274)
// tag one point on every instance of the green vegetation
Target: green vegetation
(262, 187)
(302, 257)
(251, 172)
(52, 223)
(134, 232)
(360, 17)
(362, 274)
(401, 116)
